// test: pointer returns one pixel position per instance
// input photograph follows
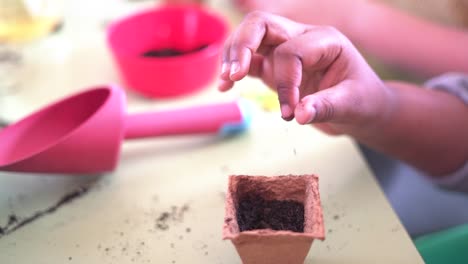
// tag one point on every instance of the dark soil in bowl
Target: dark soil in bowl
(254, 212)
(168, 52)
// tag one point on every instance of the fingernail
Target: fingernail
(224, 68)
(235, 67)
(312, 111)
(286, 112)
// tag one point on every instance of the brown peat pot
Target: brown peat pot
(273, 220)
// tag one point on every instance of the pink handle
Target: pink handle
(191, 120)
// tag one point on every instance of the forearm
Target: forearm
(428, 129)
(406, 41)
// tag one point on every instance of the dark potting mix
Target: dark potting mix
(254, 212)
(168, 52)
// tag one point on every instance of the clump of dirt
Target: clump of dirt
(175, 215)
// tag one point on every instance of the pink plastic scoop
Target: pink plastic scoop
(83, 133)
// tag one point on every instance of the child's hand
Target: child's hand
(318, 74)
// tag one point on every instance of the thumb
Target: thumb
(330, 105)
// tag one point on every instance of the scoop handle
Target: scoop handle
(224, 118)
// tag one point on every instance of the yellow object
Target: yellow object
(265, 98)
(25, 20)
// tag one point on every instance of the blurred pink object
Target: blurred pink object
(83, 133)
(196, 33)
(184, 2)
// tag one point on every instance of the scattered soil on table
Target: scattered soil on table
(254, 212)
(175, 215)
(161, 222)
(14, 222)
(168, 52)
(3, 123)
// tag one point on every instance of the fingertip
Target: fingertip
(225, 70)
(241, 58)
(224, 86)
(225, 76)
(235, 72)
(288, 99)
(286, 112)
(236, 77)
(304, 113)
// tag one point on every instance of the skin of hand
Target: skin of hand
(318, 74)
(321, 78)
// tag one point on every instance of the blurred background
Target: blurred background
(450, 12)
(46, 44)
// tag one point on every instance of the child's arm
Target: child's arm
(426, 128)
(405, 40)
(322, 79)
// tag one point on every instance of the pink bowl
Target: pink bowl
(195, 32)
